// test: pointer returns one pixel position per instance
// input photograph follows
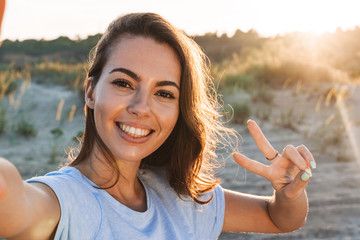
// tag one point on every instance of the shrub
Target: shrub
(56, 133)
(263, 113)
(70, 75)
(9, 81)
(242, 112)
(289, 119)
(263, 94)
(242, 81)
(25, 128)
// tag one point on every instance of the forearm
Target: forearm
(288, 214)
(13, 213)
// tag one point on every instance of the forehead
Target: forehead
(144, 54)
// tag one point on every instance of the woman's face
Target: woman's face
(136, 100)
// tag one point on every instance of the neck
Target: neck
(125, 186)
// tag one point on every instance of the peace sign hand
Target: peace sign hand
(288, 172)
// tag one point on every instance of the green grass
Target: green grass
(238, 113)
(56, 134)
(3, 119)
(58, 73)
(25, 128)
(9, 79)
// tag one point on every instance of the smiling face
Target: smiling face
(136, 100)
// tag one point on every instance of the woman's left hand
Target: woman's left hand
(288, 172)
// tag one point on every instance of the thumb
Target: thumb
(299, 183)
(251, 165)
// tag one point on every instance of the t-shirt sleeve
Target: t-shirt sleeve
(210, 217)
(78, 205)
(219, 204)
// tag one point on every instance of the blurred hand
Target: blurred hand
(2, 10)
(288, 172)
(2, 187)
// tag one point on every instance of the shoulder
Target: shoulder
(78, 202)
(183, 209)
(157, 179)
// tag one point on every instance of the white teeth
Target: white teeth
(134, 132)
(138, 131)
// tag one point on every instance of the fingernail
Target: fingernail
(248, 121)
(234, 153)
(313, 164)
(308, 171)
(305, 177)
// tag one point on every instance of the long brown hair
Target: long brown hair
(189, 152)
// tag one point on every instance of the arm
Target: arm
(2, 10)
(287, 209)
(27, 211)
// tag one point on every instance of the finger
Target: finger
(291, 153)
(251, 165)
(261, 141)
(297, 185)
(306, 154)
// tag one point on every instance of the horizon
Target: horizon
(49, 20)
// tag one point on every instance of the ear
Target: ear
(89, 94)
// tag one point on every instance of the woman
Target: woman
(144, 169)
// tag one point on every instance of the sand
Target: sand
(333, 191)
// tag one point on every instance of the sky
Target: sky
(49, 19)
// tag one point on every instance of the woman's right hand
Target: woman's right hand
(25, 209)
(3, 168)
(2, 187)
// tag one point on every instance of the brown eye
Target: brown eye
(122, 83)
(165, 94)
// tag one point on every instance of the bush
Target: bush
(25, 128)
(263, 113)
(263, 94)
(242, 112)
(56, 133)
(290, 119)
(70, 75)
(9, 79)
(242, 81)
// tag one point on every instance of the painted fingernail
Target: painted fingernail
(305, 177)
(313, 164)
(308, 171)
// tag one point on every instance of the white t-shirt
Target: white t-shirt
(90, 213)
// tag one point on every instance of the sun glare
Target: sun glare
(268, 18)
(280, 16)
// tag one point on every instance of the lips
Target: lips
(134, 131)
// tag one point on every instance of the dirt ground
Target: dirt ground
(333, 191)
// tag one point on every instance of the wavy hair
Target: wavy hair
(188, 154)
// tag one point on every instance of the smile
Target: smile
(134, 132)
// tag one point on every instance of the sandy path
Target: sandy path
(333, 192)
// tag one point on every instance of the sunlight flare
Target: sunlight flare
(348, 126)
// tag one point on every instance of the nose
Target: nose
(139, 105)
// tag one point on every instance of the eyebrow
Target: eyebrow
(137, 78)
(127, 72)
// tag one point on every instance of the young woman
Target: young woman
(144, 168)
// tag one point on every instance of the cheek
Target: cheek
(104, 110)
(169, 118)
